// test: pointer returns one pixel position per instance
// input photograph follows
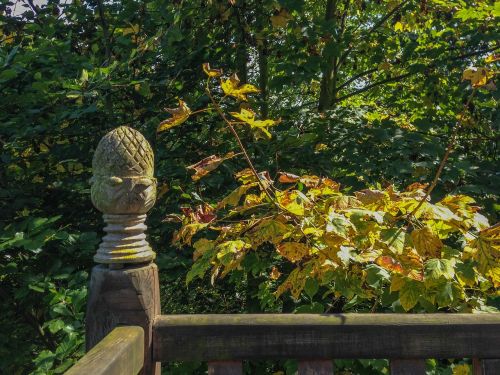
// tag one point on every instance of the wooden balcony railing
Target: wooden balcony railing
(126, 335)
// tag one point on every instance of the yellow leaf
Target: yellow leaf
(186, 232)
(295, 282)
(343, 202)
(293, 251)
(269, 230)
(462, 369)
(211, 72)
(478, 76)
(205, 166)
(492, 58)
(233, 88)
(292, 201)
(179, 115)
(426, 242)
(234, 197)
(396, 283)
(248, 117)
(485, 250)
(281, 19)
(398, 26)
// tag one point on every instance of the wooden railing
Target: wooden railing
(124, 291)
(225, 340)
(121, 352)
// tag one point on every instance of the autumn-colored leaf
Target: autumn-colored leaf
(288, 178)
(398, 26)
(295, 282)
(208, 164)
(426, 242)
(371, 197)
(492, 58)
(389, 264)
(293, 201)
(234, 197)
(248, 117)
(179, 115)
(233, 88)
(281, 19)
(204, 213)
(478, 76)
(211, 72)
(269, 230)
(293, 251)
(186, 232)
(485, 250)
(201, 247)
(343, 202)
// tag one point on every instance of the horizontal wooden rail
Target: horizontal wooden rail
(309, 337)
(121, 352)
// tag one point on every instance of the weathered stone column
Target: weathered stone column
(124, 287)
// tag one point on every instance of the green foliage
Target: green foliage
(71, 71)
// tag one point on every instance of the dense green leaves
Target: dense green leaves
(387, 79)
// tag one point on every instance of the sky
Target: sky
(20, 6)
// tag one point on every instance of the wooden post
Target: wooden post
(124, 287)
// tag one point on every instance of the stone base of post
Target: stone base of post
(127, 296)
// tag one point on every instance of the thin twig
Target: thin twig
(449, 149)
(240, 143)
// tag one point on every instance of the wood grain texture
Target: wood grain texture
(315, 368)
(489, 366)
(310, 336)
(407, 367)
(128, 296)
(119, 353)
(225, 368)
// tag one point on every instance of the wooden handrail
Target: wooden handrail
(310, 336)
(121, 352)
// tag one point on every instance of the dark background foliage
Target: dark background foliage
(368, 92)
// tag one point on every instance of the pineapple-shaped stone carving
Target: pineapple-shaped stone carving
(124, 190)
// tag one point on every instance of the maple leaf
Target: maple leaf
(293, 251)
(248, 117)
(179, 115)
(212, 73)
(233, 88)
(281, 19)
(201, 247)
(485, 250)
(389, 264)
(409, 293)
(186, 232)
(234, 197)
(478, 76)
(492, 58)
(288, 178)
(208, 164)
(426, 242)
(204, 213)
(295, 282)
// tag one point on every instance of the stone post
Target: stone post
(124, 287)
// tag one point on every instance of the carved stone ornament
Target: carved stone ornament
(124, 190)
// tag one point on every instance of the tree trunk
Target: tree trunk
(329, 78)
(241, 57)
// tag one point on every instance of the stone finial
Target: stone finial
(124, 190)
